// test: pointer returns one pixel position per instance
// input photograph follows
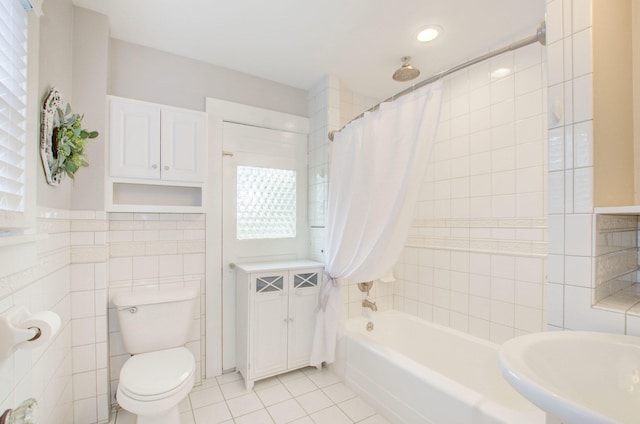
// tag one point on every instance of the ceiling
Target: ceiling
(297, 42)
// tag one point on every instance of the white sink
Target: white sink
(576, 376)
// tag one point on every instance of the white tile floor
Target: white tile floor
(307, 396)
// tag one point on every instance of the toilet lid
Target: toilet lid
(155, 373)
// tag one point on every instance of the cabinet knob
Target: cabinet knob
(166, 167)
(154, 166)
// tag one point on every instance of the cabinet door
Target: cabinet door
(303, 302)
(134, 139)
(268, 331)
(183, 145)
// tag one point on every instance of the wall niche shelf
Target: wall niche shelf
(143, 196)
(618, 210)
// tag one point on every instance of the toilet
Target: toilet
(155, 325)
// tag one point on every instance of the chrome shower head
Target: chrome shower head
(406, 72)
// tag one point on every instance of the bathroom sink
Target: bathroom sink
(576, 376)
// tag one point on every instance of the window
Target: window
(14, 27)
(266, 207)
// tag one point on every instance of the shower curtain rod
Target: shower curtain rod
(539, 37)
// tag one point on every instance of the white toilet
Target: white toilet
(155, 325)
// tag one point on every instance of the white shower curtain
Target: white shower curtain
(377, 166)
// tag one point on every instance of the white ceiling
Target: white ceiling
(297, 42)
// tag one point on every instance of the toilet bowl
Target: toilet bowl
(153, 384)
(155, 325)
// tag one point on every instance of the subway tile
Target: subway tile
(582, 64)
(145, 267)
(583, 98)
(554, 21)
(83, 331)
(503, 89)
(528, 80)
(568, 192)
(528, 319)
(502, 113)
(82, 304)
(556, 106)
(583, 190)
(568, 58)
(578, 230)
(579, 315)
(530, 295)
(568, 147)
(583, 143)
(555, 69)
(581, 15)
(577, 271)
(529, 105)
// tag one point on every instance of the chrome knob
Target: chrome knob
(133, 309)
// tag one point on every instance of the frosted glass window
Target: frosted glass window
(266, 203)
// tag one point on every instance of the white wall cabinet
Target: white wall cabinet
(157, 157)
(276, 310)
(150, 141)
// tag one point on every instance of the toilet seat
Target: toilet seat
(157, 375)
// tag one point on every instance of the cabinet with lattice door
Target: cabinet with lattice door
(275, 316)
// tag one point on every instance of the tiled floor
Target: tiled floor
(307, 396)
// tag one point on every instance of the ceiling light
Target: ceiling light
(429, 33)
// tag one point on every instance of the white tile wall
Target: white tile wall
(44, 373)
(484, 199)
(586, 263)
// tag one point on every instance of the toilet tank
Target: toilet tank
(153, 319)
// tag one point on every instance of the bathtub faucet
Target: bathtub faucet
(366, 303)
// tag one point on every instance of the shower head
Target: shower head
(406, 72)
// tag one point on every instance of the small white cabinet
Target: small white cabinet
(150, 141)
(157, 157)
(276, 310)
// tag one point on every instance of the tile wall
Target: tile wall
(157, 250)
(475, 256)
(88, 293)
(332, 105)
(45, 373)
(582, 259)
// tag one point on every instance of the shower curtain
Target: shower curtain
(377, 166)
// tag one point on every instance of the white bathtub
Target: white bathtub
(416, 372)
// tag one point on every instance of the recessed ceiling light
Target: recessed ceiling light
(429, 33)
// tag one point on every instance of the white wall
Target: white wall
(56, 70)
(183, 82)
(90, 69)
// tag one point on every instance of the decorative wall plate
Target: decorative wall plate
(50, 119)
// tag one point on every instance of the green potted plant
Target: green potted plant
(69, 140)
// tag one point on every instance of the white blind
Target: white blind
(13, 104)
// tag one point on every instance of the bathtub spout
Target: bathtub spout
(366, 303)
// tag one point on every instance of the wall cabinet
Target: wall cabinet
(156, 142)
(153, 146)
(276, 310)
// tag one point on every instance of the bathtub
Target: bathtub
(415, 372)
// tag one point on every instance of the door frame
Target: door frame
(220, 111)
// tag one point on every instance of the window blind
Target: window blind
(13, 105)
